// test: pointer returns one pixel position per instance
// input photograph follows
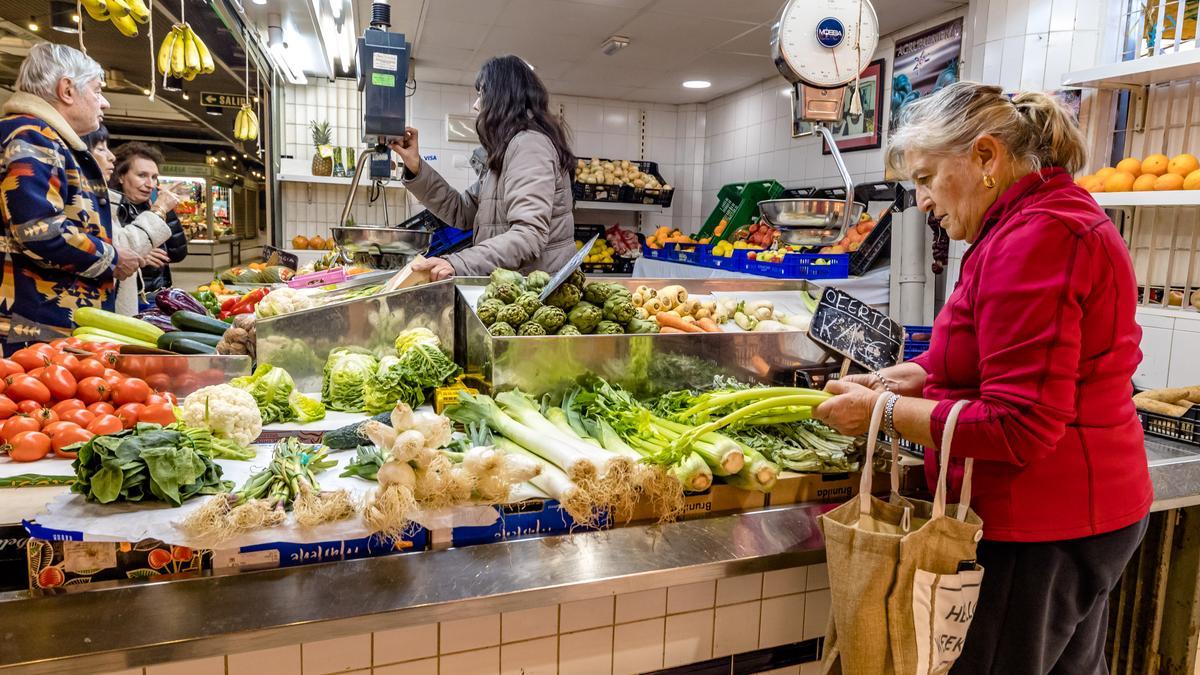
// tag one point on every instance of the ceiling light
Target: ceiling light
(614, 44)
(213, 110)
(259, 2)
(63, 17)
(278, 49)
(145, 92)
(33, 26)
(785, 92)
(186, 97)
(697, 84)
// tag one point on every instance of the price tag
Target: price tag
(282, 257)
(851, 328)
(572, 265)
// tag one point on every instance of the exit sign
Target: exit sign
(215, 100)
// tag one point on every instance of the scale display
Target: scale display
(824, 43)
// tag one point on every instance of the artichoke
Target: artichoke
(584, 316)
(596, 292)
(513, 315)
(536, 281)
(488, 309)
(550, 318)
(529, 302)
(621, 291)
(565, 297)
(506, 293)
(531, 328)
(568, 330)
(503, 276)
(502, 329)
(641, 326)
(577, 279)
(619, 309)
(609, 328)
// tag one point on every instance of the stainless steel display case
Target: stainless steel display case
(300, 342)
(637, 362)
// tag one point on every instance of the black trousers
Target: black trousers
(1043, 607)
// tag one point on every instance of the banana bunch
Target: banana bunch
(124, 14)
(183, 54)
(245, 124)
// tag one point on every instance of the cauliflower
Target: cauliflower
(285, 301)
(226, 411)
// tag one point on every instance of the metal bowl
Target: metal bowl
(809, 222)
(382, 240)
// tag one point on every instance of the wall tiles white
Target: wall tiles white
(1062, 15)
(816, 613)
(689, 638)
(785, 581)
(735, 628)
(405, 644)
(638, 647)
(529, 623)
(278, 661)
(586, 653)
(337, 655)
(466, 634)
(584, 614)
(1033, 69)
(739, 589)
(478, 662)
(818, 577)
(213, 665)
(422, 667)
(641, 605)
(691, 597)
(132, 671)
(532, 657)
(782, 621)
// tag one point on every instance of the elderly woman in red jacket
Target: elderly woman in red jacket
(1039, 337)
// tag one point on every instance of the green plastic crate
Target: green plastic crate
(737, 203)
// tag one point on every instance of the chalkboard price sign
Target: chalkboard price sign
(851, 328)
(285, 258)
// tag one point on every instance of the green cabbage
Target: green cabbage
(272, 389)
(344, 380)
(389, 384)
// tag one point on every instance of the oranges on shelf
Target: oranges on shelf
(1182, 165)
(1154, 172)
(1144, 182)
(1155, 164)
(1192, 181)
(1130, 165)
(1119, 181)
(1169, 181)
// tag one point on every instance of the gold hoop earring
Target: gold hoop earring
(988, 181)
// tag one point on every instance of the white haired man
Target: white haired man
(55, 220)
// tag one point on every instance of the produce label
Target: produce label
(383, 80)
(851, 328)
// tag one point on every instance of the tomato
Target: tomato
(7, 407)
(67, 437)
(27, 388)
(68, 361)
(153, 399)
(42, 348)
(17, 424)
(70, 404)
(129, 414)
(29, 446)
(46, 416)
(113, 377)
(170, 398)
(132, 390)
(159, 413)
(210, 376)
(10, 367)
(80, 416)
(174, 366)
(28, 407)
(29, 359)
(97, 347)
(92, 390)
(159, 381)
(108, 356)
(58, 344)
(134, 366)
(37, 372)
(105, 424)
(73, 342)
(59, 381)
(55, 427)
(101, 408)
(90, 367)
(185, 384)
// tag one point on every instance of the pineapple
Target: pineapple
(322, 163)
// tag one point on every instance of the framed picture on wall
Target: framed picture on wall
(863, 131)
(924, 64)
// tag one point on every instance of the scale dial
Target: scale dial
(824, 43)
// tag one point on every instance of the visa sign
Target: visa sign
(830, 32)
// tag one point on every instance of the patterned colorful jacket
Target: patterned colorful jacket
(55, 224)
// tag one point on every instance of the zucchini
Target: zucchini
(90, 317)
(191, 347)
(198, 323)
(169, 339)
(101, 335)
(348, 437)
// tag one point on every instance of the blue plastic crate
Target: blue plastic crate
(446, 239)
(688, 254)
(915, 347)
(797, 266)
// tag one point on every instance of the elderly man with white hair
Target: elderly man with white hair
(54, 213)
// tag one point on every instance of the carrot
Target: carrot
(708, 325)
(666, 320)
(668, 329)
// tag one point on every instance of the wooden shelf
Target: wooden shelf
(615, 206)
(1142, 72)
(1163, 198)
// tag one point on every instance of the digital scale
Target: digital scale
(821, 46)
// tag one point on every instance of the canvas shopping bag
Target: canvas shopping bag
(878, 552)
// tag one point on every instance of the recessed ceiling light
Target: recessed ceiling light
(697, 84)
(33, 25)
(145, 92)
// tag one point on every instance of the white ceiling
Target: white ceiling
(723, 41)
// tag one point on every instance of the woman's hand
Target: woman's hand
(128, 263)
(408, 150)
(437, 267)
(849, 411)
(156, 258)
(166, 202)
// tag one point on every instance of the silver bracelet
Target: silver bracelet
(889, 410)
(887, 384)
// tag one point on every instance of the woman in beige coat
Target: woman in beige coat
(520, 209)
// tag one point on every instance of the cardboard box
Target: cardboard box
(719, 498)
(828, 488)
(529, 518)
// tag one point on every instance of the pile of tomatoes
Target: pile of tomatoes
(54, 395)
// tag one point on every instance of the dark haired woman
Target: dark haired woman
(520, 209)
(136, 178)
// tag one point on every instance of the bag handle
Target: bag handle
(939, 496)
(868, 472)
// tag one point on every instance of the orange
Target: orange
(1183, 164)
(1104, 173)
(1144, 182)
(1119, 181)
(1155, 164)
(1082, 181)
(1169, 181)
(1094, 184)
(1192, 181)
(1130, 165)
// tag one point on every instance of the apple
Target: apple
(752, 255)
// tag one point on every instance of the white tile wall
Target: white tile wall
(405, 644)
(278, 661)
(422, 667)
(338, 655)
(588, 652)
(690, 597)
(584, 614)
(213, 665)
(641, 605)
(529, 623)
(638, 647)
(532, 657)
(739, 589)
(689, 638)
(466, 634)
(478, 662)
(735, 628)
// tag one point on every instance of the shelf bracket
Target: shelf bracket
(1141, 96)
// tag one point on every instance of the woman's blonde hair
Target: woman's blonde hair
(1037, 129)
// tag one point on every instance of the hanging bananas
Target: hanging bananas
(245, 124)
(124, 14)
(183, 54)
